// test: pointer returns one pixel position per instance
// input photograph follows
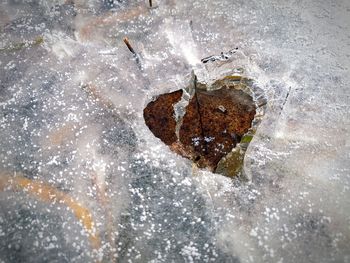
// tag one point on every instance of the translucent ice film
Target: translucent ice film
(83, 178)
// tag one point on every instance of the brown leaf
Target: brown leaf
(213, 124)
(159, 116)
(226, 115)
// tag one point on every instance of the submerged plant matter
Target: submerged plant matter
(216, 118)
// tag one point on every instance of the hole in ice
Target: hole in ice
(212, 126)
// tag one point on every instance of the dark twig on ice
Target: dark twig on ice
(150, 3)
(135, 55)
(191, 27)
(127, 43)
(222, 57)
(200, 115)
(285, 100)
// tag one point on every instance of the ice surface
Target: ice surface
(71, 118)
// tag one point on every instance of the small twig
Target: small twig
(150, 3)
(127, 43)
(222, 57)
(136, 56)
(262, 104)
(285, 100)
(191, 26)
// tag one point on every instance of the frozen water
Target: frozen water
(71, 122)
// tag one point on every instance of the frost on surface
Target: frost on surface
(71, 102)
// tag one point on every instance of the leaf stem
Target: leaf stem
(200, 115)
